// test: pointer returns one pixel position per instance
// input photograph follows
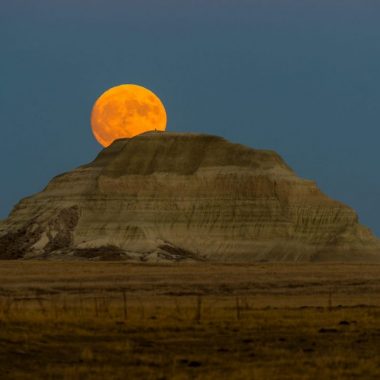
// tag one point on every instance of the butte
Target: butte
(180, 197)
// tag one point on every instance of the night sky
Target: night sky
(299, 77)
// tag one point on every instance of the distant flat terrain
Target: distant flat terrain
(87, 320)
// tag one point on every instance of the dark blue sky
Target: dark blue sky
(300, 77)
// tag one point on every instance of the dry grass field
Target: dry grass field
(108, 320)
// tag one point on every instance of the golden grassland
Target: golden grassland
(103, 320)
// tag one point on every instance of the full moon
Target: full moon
(126, 111)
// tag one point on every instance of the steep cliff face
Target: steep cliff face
(168, 196)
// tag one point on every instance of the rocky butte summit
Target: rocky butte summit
(181, 196)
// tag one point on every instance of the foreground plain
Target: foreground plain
(103, 320)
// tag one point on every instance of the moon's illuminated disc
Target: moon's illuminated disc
(126, 111)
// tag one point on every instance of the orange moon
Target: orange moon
(126, 111)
